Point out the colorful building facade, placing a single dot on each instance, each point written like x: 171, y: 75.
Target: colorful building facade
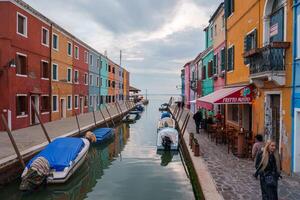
x: 24, y: 66
x: 263, y: 31
x: 187, y: 100
x: 103, y: 80
x: 296, y: 90
x: 41, y: 62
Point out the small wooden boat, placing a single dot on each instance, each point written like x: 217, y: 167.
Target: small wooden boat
x: 166, y: 122
x: 165, y: 114
x: 163, y: 107
x: 103, y: 134
x: 167, y: 139
x: 64, y: 156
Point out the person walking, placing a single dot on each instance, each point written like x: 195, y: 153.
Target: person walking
x: 258, y: 145
x: 198, y: 118
x: 268, y: 169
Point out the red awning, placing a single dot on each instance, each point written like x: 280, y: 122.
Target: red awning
x: 232, y: 95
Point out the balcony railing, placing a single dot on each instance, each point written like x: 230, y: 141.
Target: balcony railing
x: 270, y: 58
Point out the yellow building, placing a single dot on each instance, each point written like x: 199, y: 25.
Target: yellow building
x: 62, y: 100
x: 258, y: 37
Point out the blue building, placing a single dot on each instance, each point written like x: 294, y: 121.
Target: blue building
x: 103, y: 80
x: 94, y: 80
x: 296, y: 89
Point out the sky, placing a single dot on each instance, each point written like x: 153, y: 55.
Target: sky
x: 157, y: 37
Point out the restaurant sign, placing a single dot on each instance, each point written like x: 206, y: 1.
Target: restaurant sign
x: 242, y: 96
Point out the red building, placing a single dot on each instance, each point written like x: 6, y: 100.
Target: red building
x: 80, y: 76
x: 24, y: 64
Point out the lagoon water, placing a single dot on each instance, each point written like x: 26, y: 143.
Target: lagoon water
x: 126, y: 167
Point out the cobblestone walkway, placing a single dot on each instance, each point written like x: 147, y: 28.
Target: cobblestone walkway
x: 233, y: 176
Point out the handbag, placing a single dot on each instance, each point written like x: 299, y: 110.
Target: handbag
x: 270, y: 180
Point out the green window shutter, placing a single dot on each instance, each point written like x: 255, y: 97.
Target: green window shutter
x: 233, y: 58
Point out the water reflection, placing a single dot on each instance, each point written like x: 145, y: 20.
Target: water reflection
x: 166, y: 156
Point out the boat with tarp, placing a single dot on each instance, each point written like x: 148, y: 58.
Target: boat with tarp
x: 167, y: 139
x: 103, y: 134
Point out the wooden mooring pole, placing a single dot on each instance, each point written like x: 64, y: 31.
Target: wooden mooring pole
x: 184, y: 125
x: 94, y: 118
x: 110, y: 115
x: 41, y: 123
x: 12, y: 140
x: 107, y: 125
x: 77, y: 121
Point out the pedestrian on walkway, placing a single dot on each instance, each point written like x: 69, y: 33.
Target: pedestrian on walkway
x: 258, y: 145
x: 268, y: 168
x: 198, y: 118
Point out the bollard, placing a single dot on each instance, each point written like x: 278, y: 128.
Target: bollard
x: 196, y: 148
x: 193, y: 145
x: 191, y: 139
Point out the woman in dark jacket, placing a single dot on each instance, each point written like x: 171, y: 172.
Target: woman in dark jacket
x: 268, y: 168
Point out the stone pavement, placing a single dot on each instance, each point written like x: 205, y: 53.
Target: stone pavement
x: 32, y: 138
x: 233, y: 176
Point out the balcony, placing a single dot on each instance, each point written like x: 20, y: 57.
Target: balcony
x: 268, y: 63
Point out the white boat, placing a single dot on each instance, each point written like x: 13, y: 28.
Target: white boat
x: 65, y: 156
x: 166, y: 122
x: 167, y: 139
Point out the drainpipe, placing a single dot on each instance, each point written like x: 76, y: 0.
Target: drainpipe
x: 295, y: 5
x: 50, y: 74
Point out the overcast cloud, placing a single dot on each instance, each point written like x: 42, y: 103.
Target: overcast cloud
x: 157, y: 37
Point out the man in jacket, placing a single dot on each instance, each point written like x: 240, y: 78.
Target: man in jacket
x: 198, y: 118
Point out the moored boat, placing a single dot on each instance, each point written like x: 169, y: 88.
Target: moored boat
x: 167, y: 139
x: 166, y: 122
x: 56, y: 163
x: 103, y: 134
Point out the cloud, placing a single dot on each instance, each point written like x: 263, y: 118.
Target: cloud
x: 156, y: 37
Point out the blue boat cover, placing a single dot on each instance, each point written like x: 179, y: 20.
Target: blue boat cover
x: 165, y: 114
x: 103, y: 133
x: 60, y: 152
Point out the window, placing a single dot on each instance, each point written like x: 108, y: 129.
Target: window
x: 109, y: 68
x: 230, y: 59
x: 250, y: 42
x: 69, y: 106
x: 55, y: 41
x: 97, y: 99
x: 55, y: 72
x: 91, y: 79
x: 223, y: 21
x: 86, y: 56
x: 113, y: 98
x: 76, y: 75
x: 85, y: 101
x: 215, y: 29
x: 113, y: 70
x: 54, y: 103
x: 233, y: 112
x: 21, y: 64
x: 21, y: 25
x: 91, y: 101
x: 223, y: 59
x: 108, y: 83
x: 229, y: 7
x: 98, y: 62
x: 211, y: 32
x: 44, y: 69
x: 113, y: 84
x: 86, y: 79
x: 76, y: 101
x: 21, y: 105
x: 203, y: 72
x: 210, y: 69
x: 91, y: 59
x: 69, y: 78
x: 101, y: 82
x: 76, y: 52
x: 45, y: 36
x: 45, y: 103
x: 215, y: 68
x: 69, y: 49
x: 101, y: 99
x: 97, y: 82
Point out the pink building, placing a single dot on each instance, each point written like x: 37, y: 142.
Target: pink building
x: 187, y: 83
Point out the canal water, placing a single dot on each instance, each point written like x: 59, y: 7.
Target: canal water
x: 127, y: 167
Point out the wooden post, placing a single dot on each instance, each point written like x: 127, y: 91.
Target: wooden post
x: 77, y: 121
x: 12, y: 141
x: 126, y: 105
x: 185, y: 124
x: 121, y: 112
x: 94, y: 118
x: 41, y: 123
x: 180, y: 114
x: 110, y: 116
x: 117, y: 108
x: 107, y: 125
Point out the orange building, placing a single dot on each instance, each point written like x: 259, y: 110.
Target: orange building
x: 259, y: 33
x: 61, y: 79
